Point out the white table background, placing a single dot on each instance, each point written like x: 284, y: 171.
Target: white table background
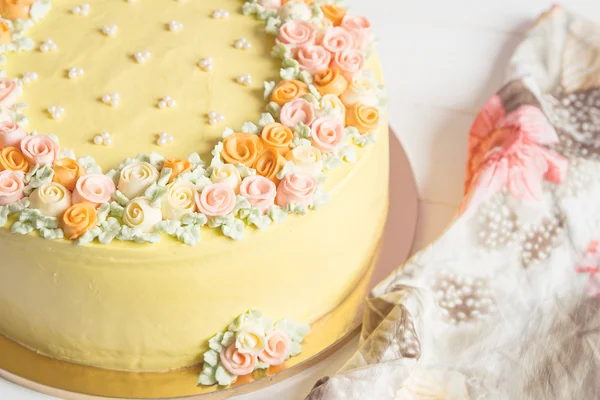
x: 442, y: 60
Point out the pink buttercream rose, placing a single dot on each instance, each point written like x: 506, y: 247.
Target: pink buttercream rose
x: 313, y: 58
x: 327, y: 133
x: 349, y: 63
x: 277, y: 349
x: 94, y: 189
x: 39, y: 149
x: 238, y: 363
x: 216, y: 200
x: 259, y: 191
x: 11, y: 187
x: 11, y: 134
x: 337, y: 39
x: 296, y: 188
x: 8, y: 92
x: 360, y: 28
x: 297, y: 111
x: 271, y: 4
x: 297, y: 33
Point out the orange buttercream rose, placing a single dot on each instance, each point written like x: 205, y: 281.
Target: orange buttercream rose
x: 178, y: 166
x: 268, y: 164
x: 330, y: 81
x: 5, y: 33
x: 79, y: 219
x: 12, y: 159
x: 67, y: 172
x: 333, y: 13
x: 288, y: 90
x: 278, y: 137
x: 15, y: 9
x: 241, y: 148
x: 364, y: 118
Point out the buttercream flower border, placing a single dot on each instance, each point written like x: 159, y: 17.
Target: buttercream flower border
x: 48, y: 188
x: 251, y: 342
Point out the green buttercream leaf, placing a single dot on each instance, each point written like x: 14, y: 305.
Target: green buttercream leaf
x: 364, y: 140
x: 207, y: 377
x: 302, y: 131
x: 116, y: 210
x: 251, y: 8
x: 195, y: 219
x: 133, y: 234
x: 295, y: 349
x: 52, y: 234
x: 155, y: 193
x: 266, y: 13
x: 102, y: 213
x: 227, y: 132
x: 109, y: 230
x: 241, y: 203
x: 320, y: 198
x: 189, y: 235
x: 192, y: 176
x: 228, y: 339
x: 277, y: 214
x: 262, y: 222
x: 273, y: 25
x: 202, y: 182
x: 89, y: 165
x: 332, y: 161
x: 274, y: 109
x: 4, y: 212
x: 168, y: 226
x: 347, y: 153
x: 290, y: 62
x: 216, y: 222
x: 234, y: 230
x: 300, y: 142
x: 307, y: 78
x: 249, y: 127
x: 262, y: 365
x: 211, y: 357
x: 281, y: 51
x: 295, y: 331
x: 216, y: 153
x: 224, y: 377
x: 215, y: 344
x: 296, y: 209
x: 66, y: 153
x: 195, y: 160
x: 288, y: 168
x: 288, y: 73
x: 114, y: 175
x: 244, y: 170
x: 40, y: 176
x: 269, y: 86
x: 165, y: 175
x: 22, y: 228
x: 120, y: 198
x: 265, y: 119
x: 88, y: 237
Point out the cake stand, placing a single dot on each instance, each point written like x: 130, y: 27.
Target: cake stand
x: 71, y: 381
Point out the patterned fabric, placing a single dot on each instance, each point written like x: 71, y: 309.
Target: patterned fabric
x: 505, y: 304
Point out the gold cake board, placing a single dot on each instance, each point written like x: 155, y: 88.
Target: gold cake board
x: 66, y: 380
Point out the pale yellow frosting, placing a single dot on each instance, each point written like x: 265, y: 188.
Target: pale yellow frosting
x: 153, y: 307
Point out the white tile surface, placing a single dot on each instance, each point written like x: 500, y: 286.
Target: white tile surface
x: 442, y: 59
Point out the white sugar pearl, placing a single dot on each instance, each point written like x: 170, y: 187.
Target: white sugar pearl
x: 98, y: 140
x: 162, y: 141
x: 221, y: 117
x: 163, y: 135
x: 171, y: 103
x: 175, y: 26
x: 106, y: 98
x: 212, y: 115
x: 110, y: 30
x: 44, y: 48
x: 162, y: 104
x: 115, y: 95
x: 114, y: 102
x: 105, y: 135
x: 108, y: 141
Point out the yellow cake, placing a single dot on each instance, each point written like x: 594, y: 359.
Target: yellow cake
x: 123, y: 277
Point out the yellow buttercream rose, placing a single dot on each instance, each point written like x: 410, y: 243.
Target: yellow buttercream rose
x: 250, y: 339
x: 365, y: 118
x: 12, y: 159
x: 66, y: 172
x: 268, y: 164
x: 333, y: 13
x: 330, y: 81
x: 241, y: 148
x: 5, y: 33
x: 79, y: 219
x: 278, y: 137
x: 288, y: 90
x: 15, y: 9
x: 178, y: 166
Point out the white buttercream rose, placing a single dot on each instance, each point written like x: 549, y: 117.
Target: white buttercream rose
x: 140, y: 214
x: 332, y: 106
x: 307, y: 158
x: 52, y: 199
x: 136, y: 178
x: 295, y: 10
x: 363, y: 89
x: 227, y: 174
x: 179, y: 200
x: 250, y: 339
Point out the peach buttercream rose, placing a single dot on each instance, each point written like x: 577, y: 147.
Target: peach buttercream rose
x: 67, y: 171
x: 288, y: 90
x: 179, y: 200
x: 360, y: 28
x: 78, y: 219
x: 278, y: 137
x: 365, y: 118
x: 363, y: 89
x: 238, y: 363
x: 330, y: 81
x: 269, y: 163
x: 333, y: 13
x: 93, y: 189
x: 216, y: 200
x: 52, y: 199
x: 349, y: 63
x: 297, y: 33
x: 11, y: 134
x: 259, y: 191
x: 136, y: 178
x: 270, y: 4
x: 313, y: 58
x: 241, y: 148
x: 15, y: 9
x: 297, y: 111
x: 41, y: 150
x: 8, y: 92
x: 178, y: 166
x: 140, y: 214
x: 227, y: 174
x: 5, y: 33
x: 307, y: 158
x: 336, y: 40
x: 12, y: 159
x: 296, y: 188
x: 277, y: 349
x: 11, y: 187
x: 327, y: 133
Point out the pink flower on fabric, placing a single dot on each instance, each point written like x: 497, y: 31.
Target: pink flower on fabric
x: 512, y: 154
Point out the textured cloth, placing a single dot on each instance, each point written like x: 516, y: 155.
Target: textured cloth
x: 504, y: 305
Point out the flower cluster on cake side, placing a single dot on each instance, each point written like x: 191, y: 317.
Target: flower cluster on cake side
x: 251, y: 342
x: 326, y: 103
